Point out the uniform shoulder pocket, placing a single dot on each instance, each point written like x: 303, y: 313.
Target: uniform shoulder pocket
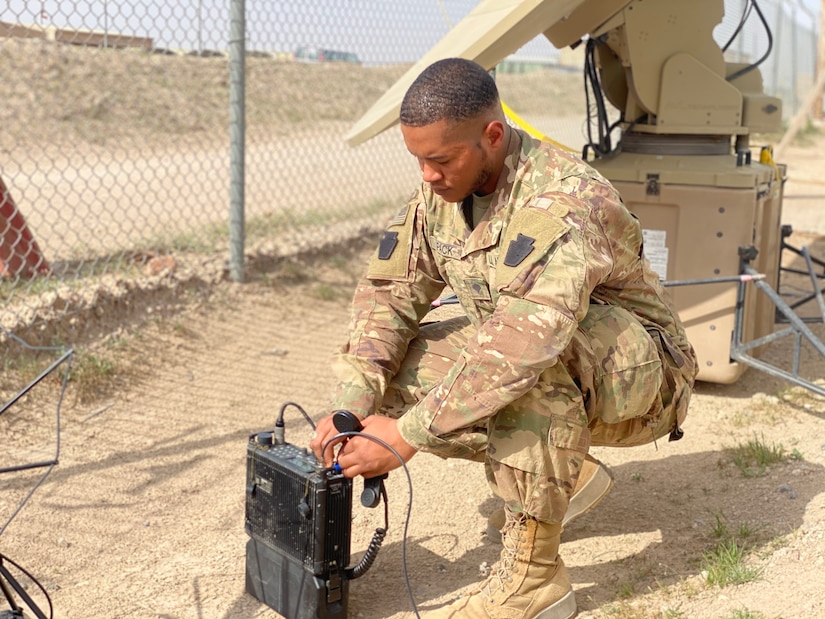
x: 392, y: 259
x: 530, y: 236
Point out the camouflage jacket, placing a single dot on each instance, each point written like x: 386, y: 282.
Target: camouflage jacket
x: 555, y: 239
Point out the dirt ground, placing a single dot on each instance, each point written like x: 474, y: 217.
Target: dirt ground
x: 144, y: 514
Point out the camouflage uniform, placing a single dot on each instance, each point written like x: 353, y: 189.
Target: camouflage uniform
x: 569, y: 339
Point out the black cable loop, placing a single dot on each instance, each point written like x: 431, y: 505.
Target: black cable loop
x: 767, y: 53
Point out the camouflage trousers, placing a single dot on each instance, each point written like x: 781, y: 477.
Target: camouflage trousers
x: 615, y: 385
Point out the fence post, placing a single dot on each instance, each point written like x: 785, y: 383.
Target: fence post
x: 237, y: 102
x: 794, y: 65
x: 777, y: 45
x: 820, y: 59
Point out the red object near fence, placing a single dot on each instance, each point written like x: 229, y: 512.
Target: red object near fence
x: 19, y: 254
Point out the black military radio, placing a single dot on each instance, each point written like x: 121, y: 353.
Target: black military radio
x: 298, y: 517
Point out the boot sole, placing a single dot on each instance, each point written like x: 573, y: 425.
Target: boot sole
x: 590, y: 495
x: 565, y: 608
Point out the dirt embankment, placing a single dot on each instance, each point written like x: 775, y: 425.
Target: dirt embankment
x: 63, y: 94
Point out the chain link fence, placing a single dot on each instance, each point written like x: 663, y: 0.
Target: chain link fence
x: 120, y: 172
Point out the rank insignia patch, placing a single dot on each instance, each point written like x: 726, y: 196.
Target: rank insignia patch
x: 518, y: 250
x: 387, y: 245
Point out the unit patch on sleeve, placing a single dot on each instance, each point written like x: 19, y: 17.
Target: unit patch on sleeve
x: 531, y: 235
x: 519, y: 249
x: 388, y: 243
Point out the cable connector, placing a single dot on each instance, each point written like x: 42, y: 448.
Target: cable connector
x: 279, y: 433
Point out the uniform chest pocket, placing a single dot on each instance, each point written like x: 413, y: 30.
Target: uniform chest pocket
x: 472, y: 290
x: 477, y: 289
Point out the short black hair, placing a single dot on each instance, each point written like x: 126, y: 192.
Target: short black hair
x: 452, y: 89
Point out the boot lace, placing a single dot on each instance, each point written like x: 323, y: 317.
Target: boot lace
x: 511, y: 537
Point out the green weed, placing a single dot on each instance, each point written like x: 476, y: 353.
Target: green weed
x: 726, y: 563
x: 623, y: 610
x: 744, y: 614
x: 626, y: 590
x: 91, y: 376
x: 754, y: 457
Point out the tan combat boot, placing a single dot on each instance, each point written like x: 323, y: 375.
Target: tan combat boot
x: 530, y: 580
x: 595, y: 481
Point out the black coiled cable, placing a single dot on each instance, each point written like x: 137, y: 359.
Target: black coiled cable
x: 369, y: 556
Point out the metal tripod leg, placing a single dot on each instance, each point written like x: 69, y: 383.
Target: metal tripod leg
x: 5, y: 574
x: 784, y: 314
x: 798, y: 329
x: 811, y: 264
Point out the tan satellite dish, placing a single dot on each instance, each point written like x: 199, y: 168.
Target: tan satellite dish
x: 488, y: 34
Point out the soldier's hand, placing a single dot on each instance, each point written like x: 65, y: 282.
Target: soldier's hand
x: 362, y: 456
x: 324, y: 431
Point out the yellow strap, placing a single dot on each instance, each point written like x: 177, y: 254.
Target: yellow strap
x: 766, y: 157
x: 532, y: 130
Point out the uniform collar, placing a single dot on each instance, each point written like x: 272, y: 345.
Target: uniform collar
x: 488, y: 231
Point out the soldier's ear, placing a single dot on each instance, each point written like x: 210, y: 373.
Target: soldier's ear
x: 494, y: 134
